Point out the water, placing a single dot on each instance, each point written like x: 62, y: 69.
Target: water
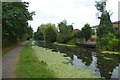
x: 104, y: 65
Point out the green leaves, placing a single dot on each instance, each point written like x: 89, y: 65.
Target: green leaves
x: 105, y: 25
x: 46, y: 32
x: 108, y: 42
x: 86, y: 32
x: 50, y: 34
x: 65, y: 32
x: 14, y: 20
x: 106, y: 32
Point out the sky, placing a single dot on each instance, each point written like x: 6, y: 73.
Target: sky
x: 78, y: 12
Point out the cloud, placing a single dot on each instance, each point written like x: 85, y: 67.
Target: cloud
x: 78, y: 12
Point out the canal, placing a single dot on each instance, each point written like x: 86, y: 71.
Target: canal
x: 104, y: 65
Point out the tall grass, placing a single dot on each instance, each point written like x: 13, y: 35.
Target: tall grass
x: 29, y: 67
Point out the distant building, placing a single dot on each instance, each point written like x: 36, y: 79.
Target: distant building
x: 76, y: 30
x: 116, y: 24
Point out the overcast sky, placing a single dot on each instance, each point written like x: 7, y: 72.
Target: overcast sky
x: 78, y: 12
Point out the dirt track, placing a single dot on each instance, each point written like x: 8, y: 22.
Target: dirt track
x: 9, y: 62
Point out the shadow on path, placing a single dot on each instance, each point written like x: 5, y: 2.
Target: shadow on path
x: 10, y: 60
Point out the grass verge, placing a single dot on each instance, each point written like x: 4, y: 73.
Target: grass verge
x: 29, y: 67
x: 110, y: 52
x: 64, y: 44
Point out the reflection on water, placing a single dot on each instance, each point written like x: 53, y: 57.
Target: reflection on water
x: 78, y: 62
x: 104, y: 65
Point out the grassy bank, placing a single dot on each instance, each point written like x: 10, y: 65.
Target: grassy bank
x: 63, y: 44
x: 29, y: 67
x: 109, y: 52
x: 60, y: 65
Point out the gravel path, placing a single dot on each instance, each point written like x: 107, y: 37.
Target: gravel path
x: 9, y: 62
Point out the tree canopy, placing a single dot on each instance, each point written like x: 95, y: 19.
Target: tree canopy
x: 50, y: 34
x: 86, y: 32
x: 14, y: 21
x: 106, y: 32
x: 105, y: 25
x: 46, y: 32
x: 65, y: 31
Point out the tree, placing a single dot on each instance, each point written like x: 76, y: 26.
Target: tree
x: 93, y: 32
x: 108, y: 42
x: 86, y: 32
x: 105, y: 25
x: 106, y: 32
x: 65, y: 32
x: 50, y: 34
x: 15, y: 18
x: 29, y: 32
x: 42, y: 28
x: 39, y: 34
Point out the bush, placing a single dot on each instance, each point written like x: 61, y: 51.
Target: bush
x: 50, y: 34
x: 65, y: 32
x: 72, y: 42
x: 108, y: 42
x: 118, y: 49
x: 86, y: 32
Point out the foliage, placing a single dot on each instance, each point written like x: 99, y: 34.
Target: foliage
x: 72, y: 41
x: 14, y: 21
x: 86, y: 32
x: 43, y: 33
x: 108, y: 42
x: 93, y: 32
x: 105, y: 25
x: 118, y: 33
x: 28, y: 34
x: 76, y: 34
x: 43, y: 27
x: 65, y: 32
x: 38, y: 35
x: 106, y: 32
x: 50, y: 34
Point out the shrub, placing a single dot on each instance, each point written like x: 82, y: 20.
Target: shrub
x: 108, y: 42
x: 50, y: 34
x: 72, y: 42
x: 86, y: 32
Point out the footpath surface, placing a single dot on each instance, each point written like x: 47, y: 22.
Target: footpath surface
x: 10, y: 61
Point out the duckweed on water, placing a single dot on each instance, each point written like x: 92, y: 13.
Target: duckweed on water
x: 57, y: 63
